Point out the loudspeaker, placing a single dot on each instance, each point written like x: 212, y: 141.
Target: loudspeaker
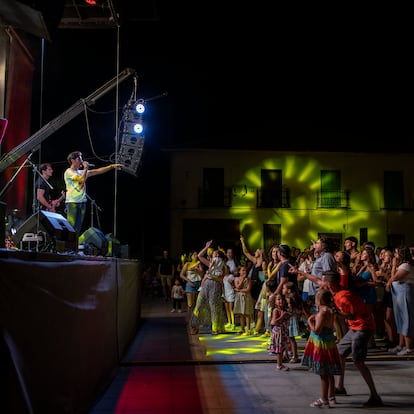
x: 60, y: 235
x: 94, y: 242
x: 130, y: 152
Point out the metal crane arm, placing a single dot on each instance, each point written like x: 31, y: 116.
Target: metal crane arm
x: 33, y: 141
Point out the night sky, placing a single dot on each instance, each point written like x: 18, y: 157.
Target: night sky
x: 172, y: 79
x: 247, y: 79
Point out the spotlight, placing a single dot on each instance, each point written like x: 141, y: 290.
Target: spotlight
x: 91, y: 2
x: 140, y: 107
x: 138, y: 128
x: 133, y: 127
x: 132, y: 117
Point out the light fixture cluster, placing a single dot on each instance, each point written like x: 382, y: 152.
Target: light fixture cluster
x: 133, y: 118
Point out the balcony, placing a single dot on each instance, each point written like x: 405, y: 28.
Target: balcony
x: 243, y: 196
x: 333, y: 199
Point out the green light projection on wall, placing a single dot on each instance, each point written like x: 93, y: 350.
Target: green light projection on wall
x: 302, y: 221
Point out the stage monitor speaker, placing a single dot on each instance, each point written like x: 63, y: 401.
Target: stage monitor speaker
x: 94, y: 242
x: 59, y: 234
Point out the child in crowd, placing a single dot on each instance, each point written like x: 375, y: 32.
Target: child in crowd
x: 321, y: 354
x: 279, y: 337
x: 229, y: 296
x: 243, y: 301
x: 177, y: 296
x: 297, y: 312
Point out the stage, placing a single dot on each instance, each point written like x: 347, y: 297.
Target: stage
x: 65, y: 322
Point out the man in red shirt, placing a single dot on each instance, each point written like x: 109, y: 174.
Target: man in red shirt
x: 361, y: 327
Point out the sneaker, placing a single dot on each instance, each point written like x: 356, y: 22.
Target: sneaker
x: 172, y: 310
x: 374, y: 402
x: 340, y: 391
x: 396, y: 349
x: 405, y: 351
x: 179, y: 310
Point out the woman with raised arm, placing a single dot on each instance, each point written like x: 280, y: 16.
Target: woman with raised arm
x: 209, y: 300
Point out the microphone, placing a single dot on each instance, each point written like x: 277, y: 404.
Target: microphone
x: 91, y: 165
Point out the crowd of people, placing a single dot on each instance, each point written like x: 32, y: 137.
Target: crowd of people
x: 340, y: 300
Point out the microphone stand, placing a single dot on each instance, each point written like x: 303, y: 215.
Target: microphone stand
x: 94, y: 205
x: 15, y: 175
x: 36, y: 171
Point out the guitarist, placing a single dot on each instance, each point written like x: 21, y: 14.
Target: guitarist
x: 42, y: 190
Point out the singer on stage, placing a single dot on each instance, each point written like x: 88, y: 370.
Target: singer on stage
x: 75, y: 181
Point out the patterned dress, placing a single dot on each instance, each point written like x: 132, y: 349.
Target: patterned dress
x: 321, y: 353
x: 209, y: 308
x: 279, y: 337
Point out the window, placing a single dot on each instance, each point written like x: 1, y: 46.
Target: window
x: 271, y: 235
x: 271, y: 189
x: 330, y: 189
x: 363, y: 235
x: 393, y: 189
x: 213, y: 187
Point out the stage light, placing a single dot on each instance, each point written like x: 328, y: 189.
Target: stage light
x: 140, y: 107
x: 138, y: 128
x: 133, y: 119
x: 91, y: 2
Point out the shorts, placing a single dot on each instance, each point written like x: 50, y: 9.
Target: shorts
x: 193, y: 288
x: 355, y: 343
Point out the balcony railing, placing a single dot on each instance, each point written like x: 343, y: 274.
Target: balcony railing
x: 255, y: 197
x: 273, y: 199
x: 333, y: 199
x: 243, y: 195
